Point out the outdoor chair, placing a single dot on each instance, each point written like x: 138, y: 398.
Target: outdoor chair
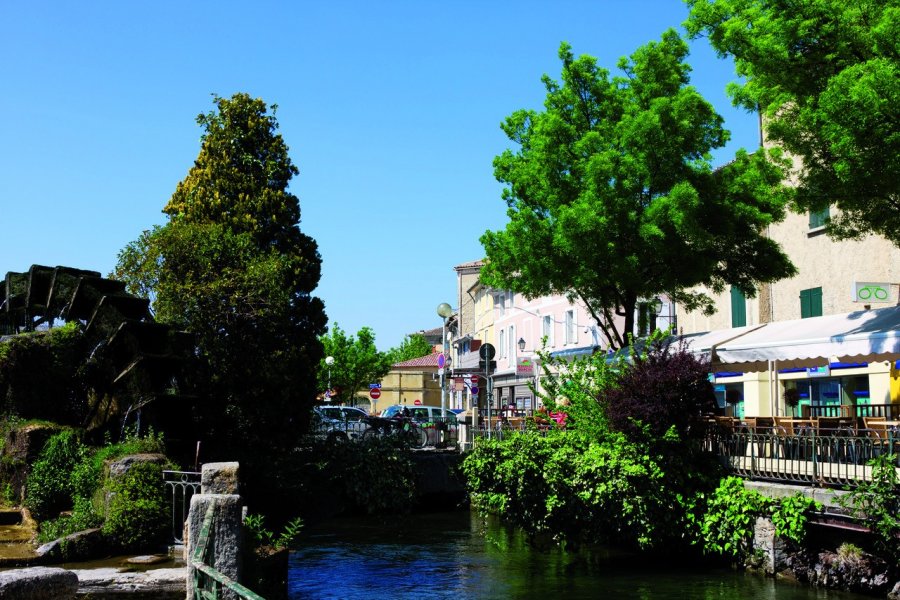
x: 877, y: 433
x: 835, y: 438
x: 788, y: 442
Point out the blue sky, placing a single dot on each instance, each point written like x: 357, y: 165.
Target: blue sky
x: 391, y: 110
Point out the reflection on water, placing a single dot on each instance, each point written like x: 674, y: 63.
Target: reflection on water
x: 460, y: 555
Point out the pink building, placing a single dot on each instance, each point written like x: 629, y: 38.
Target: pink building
x: 521, y: 328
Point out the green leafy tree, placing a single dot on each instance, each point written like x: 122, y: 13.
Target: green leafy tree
x: 412, y: 346
x: 357, y: 363
x: 612, y: 197
x: 232, y: 266
x: 826, y: 76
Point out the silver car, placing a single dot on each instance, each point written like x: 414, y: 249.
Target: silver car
x: 338, y: 423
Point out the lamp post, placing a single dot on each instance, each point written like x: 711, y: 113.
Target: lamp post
x: 444, y: 311
x: 329, y: 360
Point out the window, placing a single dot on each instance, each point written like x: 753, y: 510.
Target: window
x: 547, y: 329
x: 511, y: 341
x: 811, y: 303
x: 501, y: 343
x: 818, y: 218
x: 501, y: 304
x: 570, y: 327
x: 738, y: 307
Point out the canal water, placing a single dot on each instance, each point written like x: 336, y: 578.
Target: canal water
x: 461, y: 555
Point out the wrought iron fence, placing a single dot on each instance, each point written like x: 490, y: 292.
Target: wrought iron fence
x: 208, y: 583
x: 837, y: 458
x: 180, y: 486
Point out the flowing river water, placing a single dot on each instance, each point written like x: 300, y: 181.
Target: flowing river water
x: 461, y: 555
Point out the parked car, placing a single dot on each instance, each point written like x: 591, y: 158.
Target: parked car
x: 338, y: 423
x: 421, y: 414
x: 441, y: 428
x: 344, y: 413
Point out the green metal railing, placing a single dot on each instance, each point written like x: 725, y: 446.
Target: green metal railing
x: 208, y: 583
x: 838, y: 459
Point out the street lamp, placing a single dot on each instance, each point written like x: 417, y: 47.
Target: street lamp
x: 329, y: 360
x: 444, y: 311
x: 521, y: 344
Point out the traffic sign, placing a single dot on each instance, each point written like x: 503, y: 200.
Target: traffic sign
x: 375, y: 393
x: 486, y: 352
x: 474, y: 390
x: 474, y: 379
x: 417, y: 402
x: 441, y: 360
x: 374, y: 385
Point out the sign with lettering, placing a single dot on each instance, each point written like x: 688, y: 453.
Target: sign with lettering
x: 524, y: 367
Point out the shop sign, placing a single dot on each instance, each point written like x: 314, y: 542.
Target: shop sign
x: 818, y: 371
x: 871, y: 291
x: 524, y: 367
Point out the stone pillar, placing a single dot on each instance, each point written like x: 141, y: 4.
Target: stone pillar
x: 220, y: 478
x: 219, y: 488
x: 38, y: 583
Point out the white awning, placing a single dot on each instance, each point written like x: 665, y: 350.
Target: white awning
x: 863, y: 336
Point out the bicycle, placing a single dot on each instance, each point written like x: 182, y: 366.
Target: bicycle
x: 404, y: 429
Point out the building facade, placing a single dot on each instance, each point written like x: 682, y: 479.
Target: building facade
x: 834, y: 278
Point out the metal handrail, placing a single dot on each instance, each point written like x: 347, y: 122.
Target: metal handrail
x: 180, y: 487
x: 208, y: 583
x: 837, y: 458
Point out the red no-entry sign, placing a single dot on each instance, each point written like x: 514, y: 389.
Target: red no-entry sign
x: 474, y: 379
x: 375, y: 393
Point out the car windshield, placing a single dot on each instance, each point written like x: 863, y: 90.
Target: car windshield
x: 390, y: 411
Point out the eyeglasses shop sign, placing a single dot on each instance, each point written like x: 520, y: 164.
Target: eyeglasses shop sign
x: 871, y: 291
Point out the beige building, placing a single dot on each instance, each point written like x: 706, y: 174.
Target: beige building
x: 413, y: 382
x: 834, y: 278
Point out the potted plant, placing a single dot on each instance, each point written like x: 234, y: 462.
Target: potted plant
x: 792, y: 399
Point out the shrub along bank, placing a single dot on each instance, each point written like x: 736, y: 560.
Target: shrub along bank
x: 628, y: 469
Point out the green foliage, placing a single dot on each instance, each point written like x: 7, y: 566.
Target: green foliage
x: 357, y: 363
x: 42, y: 374
x: 255, y: 525
x: 573, y: 387
x: 826, y: 75
x: 232, y: 267
x: 613, y: 182
x: 790, y: 516
x: 85, y: 484
x: 50, y: 486
x: 728, y: 523
x: 412, y: 346
x: 576, y: 489
x: 137, y: 516
x: 877, y: 502
x: 375, y: 476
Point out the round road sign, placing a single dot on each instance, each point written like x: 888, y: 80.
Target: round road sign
x: 375, y: 393
x: 474, y: 379
x: 474, y: 390
x: 417, y: 402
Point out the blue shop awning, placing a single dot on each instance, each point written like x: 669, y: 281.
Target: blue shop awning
x: 573, y: 352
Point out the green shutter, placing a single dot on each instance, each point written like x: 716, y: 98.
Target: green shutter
x: 811, y: 303
x: 738, y: 308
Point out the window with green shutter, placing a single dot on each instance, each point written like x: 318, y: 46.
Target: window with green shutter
x: 811, y: 303
x: 738, y: 308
